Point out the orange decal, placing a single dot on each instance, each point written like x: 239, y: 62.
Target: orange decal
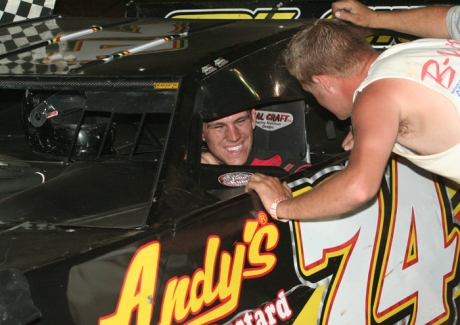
x: 262, y: 217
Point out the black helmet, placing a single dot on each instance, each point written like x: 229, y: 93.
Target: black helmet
x: 51, y: 120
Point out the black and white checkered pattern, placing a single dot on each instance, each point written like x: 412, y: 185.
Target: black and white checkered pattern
x: 14, y: 37
x: 16, y: 10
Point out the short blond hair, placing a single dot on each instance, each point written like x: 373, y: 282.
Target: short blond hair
x: 326, y: 47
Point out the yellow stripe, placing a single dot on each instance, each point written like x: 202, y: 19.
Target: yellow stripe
x: 309, y: 313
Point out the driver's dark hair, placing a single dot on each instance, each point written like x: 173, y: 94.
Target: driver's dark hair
x: 326, y: 47
x: 218, y: 118
x: 249, y: 114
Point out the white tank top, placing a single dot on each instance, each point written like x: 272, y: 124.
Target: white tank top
x: 435, y: 64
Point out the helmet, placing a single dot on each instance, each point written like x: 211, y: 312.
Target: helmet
x: 51, y: 120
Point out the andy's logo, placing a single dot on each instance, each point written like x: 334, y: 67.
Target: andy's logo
x: 217, y: 284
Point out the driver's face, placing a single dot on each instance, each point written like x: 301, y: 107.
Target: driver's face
x: 229, y: 139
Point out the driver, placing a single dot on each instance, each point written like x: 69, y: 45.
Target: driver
x: 230, y: 142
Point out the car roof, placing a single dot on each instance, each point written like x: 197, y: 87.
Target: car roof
x: 107, y: 46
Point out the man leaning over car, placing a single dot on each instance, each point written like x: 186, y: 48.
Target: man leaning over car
x: 392, y: 108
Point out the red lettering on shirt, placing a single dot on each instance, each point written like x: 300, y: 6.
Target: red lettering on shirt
x: 454, y: 51
x: 432, y: 69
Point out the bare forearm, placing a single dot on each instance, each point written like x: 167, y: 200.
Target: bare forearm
x: 339, y: 194
x: 422, y: 22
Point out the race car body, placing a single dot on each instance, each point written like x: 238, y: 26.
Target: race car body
x: 107, y: 215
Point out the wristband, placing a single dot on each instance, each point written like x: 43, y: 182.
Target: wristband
x: 274, y: 205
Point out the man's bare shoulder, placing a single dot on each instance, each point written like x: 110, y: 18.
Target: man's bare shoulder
x: 382, y: 97
x: 394, y: 89
x: 391, y: 96
x: 427, y: 121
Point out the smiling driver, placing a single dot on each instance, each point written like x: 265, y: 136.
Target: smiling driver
x: 230, y: 142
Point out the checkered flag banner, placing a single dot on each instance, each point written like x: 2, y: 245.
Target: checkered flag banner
x: 16, y: 10
x: 14, y: 37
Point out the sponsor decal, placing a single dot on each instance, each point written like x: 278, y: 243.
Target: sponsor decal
x: 288, y: 167
x: 236, y: 13
x: 217, y: 284
x: 208, y: 69
x: 166, y: 85
x: 220, y: 62
x: 268, y: 314
x: 237, y: 179
x: 52, y: 114
x: 271, y: 121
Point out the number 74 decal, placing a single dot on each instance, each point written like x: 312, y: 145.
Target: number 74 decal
x: 393, y: 261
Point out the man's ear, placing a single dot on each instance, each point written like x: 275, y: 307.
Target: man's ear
x: 253, y: 118
x: 322, y: 83
x: 202, y: 133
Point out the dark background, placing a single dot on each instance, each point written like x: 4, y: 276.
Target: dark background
x: 90, y: 8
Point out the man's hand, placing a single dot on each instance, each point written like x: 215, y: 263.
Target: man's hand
x: 354, y: 12
x: 268, y: 188
x: 348, y: 142
x: 209, y: 159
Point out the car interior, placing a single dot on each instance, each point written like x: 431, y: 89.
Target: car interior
x: 53, y: 138
x: 50, y: 142
x: 312, y: 134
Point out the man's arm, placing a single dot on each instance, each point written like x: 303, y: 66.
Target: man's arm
x: 422, y: 22
x: 375, y: 126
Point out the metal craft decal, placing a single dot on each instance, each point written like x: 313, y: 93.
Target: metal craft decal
x: 271, y: 121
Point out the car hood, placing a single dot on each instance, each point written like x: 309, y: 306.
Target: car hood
x: 125, y: 47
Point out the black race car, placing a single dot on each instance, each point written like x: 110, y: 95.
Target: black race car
x: 107, y: 215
